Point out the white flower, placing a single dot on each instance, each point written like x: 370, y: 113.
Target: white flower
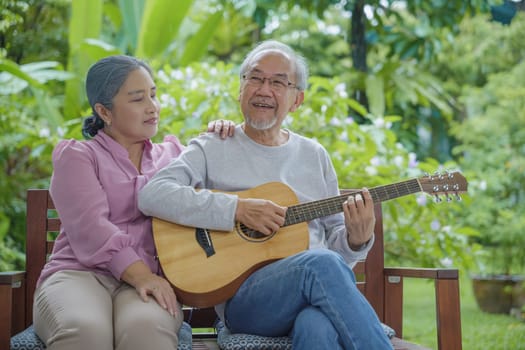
x: 340, y: 89
x: 177, y: 75
x: 379, y: 122
x: 44, y: 132
x: 61, y: 131
x: 161, y: 75
x: 421, y: 200
x: 375, y: 161
x: 370, y: 170
x: 398, y: 161
x: 183, y: 103
x: 412, y: 160
x: 167, y: 100
x: 189, y: 73
x: 335, y: 122
x: 344, y: 136
x: 446, y: 262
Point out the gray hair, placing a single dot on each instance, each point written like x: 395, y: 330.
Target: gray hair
x: 103, y: 81
x: 298, y: 61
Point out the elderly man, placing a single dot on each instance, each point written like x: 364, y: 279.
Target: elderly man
x: 310, y: 296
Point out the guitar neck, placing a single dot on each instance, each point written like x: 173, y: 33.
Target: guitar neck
x: 324, y: 207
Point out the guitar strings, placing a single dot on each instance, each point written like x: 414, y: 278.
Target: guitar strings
x: 324, y: 207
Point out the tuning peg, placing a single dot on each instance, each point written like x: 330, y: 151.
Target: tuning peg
x: 458, y: 197
x: 437, y: 199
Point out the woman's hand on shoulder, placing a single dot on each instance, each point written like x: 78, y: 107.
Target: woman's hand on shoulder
x: 225, y: 128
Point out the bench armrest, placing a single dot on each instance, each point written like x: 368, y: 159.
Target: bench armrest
x: 448, y: 316
x: 431, y: 273
x: 12, y: 278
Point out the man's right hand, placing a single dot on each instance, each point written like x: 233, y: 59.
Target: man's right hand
x: 261, y: 215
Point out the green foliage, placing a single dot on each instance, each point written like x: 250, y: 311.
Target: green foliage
x: 263, y: 7
x: 30, y: 121
x: 26, y: 21
x: 493, y: 154
x: 485, y: 47
x: 415, y: 28
x: 159, y: 19
x: 25, y: 147
x: 98, y: 29
x: 126, y: 20
x: 487, y: 84
x: 195, y: 95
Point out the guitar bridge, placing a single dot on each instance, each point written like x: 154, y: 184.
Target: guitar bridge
x: 203, y: 238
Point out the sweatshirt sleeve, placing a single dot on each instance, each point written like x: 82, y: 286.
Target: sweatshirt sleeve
x: 82, y: 204
x: 177, y: 193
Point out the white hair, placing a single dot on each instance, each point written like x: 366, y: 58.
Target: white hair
x: 298, y: 61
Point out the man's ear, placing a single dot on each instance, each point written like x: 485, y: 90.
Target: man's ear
x: 299, y: 98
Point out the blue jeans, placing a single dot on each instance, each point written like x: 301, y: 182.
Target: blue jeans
x: 312, y: 297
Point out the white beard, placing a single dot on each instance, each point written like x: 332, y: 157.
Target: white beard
x: 261, y: 124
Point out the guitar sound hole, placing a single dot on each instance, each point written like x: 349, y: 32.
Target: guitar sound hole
x: 252, y: 235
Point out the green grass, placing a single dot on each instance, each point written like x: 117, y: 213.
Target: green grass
x: 480, y: 330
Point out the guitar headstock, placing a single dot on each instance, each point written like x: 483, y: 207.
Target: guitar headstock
x: 447, y: 184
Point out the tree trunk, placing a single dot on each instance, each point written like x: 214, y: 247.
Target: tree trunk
x: 358, y: 44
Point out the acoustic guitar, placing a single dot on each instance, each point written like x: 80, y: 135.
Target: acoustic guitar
x: 206, y: 267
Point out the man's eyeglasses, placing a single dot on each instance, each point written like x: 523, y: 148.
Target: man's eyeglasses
x: 277, y: 83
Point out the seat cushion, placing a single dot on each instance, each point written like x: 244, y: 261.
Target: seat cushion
x: 240, y: 341
x: 28, y: 340
x: 184, y: 337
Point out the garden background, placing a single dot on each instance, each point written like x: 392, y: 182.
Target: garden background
x: 397, y: 89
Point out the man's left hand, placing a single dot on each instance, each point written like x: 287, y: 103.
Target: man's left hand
x: 359, y: 218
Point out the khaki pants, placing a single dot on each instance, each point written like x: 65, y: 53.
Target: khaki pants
x: 84, y: 310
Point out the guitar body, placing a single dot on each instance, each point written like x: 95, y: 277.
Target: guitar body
x: 203, y: 281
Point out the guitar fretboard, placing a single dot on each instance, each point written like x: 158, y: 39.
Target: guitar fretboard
x: 324, y: 207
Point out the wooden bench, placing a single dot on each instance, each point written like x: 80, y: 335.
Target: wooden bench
x: 383, y: 287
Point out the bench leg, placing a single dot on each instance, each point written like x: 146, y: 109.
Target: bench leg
x: 448, y: 314
x: 6, y: 302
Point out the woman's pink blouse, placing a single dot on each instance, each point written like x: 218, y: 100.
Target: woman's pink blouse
x: 94, y: 187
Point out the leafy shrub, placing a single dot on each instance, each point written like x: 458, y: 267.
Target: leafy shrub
x: 493, y: 155
x: 30, y: 124
x: 25, y: 147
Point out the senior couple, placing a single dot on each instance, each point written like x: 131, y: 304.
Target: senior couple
x: 103, y: 287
